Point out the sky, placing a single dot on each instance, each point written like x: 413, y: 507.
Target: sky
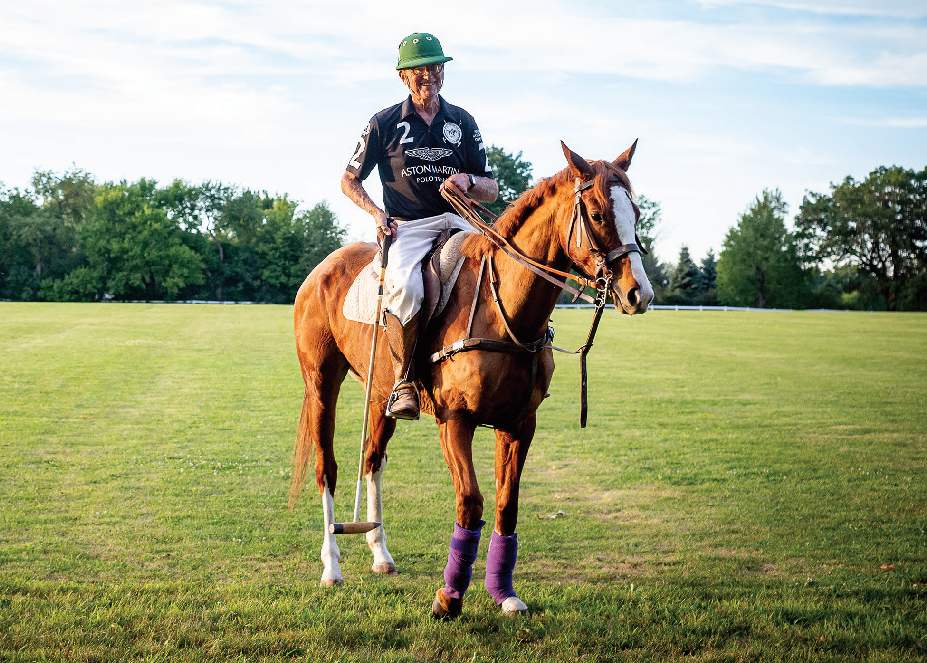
x: 726, y: 97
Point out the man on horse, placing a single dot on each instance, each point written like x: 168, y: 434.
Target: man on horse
x: 419, y: 146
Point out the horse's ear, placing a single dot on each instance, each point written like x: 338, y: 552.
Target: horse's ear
x: 624, y: 161
x: 578, y: 165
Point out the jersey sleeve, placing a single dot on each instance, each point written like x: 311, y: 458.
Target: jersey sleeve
x: 366, y: 154
x: 477, y: 159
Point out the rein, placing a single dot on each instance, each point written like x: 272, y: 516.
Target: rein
x: 465, y: 207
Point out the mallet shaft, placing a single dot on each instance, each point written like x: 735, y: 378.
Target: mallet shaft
x: 384, y: 257
x: 352, y: 528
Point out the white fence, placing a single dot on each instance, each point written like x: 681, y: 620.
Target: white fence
x: 679, y: 307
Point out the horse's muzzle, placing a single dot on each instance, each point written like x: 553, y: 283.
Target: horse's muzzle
x: 634, y: 297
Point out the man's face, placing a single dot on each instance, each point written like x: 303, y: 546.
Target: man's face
x: 424, y: 82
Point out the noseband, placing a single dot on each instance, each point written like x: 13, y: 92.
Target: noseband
x: 580, y: 222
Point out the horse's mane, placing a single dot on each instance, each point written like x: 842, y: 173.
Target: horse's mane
x: 517, y: 211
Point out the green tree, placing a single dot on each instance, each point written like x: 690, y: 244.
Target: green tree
x: 843, y: 287
x: 759, y: 264
x: 242, y: 218
x: 647, y: 224
x: 40, y: 231
x: 50, y: 228
x: 648, y: 232
x: 266, y: 246
x: 70, y: 196
x: 513, y: 176
x: 683, y: 285
x: 707, y: 279
x: 878, y: 225
x: 200, y: 210
x: 321, y: 234
x: 134, y: 249
x: 18, y: 279
x: 72, y: 240
x: 291, y: 245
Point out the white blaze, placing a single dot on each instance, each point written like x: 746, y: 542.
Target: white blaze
x: 625, y: 219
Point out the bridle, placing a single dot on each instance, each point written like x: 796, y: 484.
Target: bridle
x: 580, y: 223
x: 470, y: 210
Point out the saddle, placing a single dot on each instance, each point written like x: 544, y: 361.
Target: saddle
x: 440, y: 269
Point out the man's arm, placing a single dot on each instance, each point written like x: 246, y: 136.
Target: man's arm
x: 484, y: 189
x: 354, y: 189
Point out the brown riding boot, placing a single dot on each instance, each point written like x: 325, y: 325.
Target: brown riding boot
x: 403, y: 402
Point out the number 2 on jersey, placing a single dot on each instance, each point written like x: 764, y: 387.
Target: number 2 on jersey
x: 405, y: 134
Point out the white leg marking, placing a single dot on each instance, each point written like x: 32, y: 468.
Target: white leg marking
x: 376, y: 539
x: 513, y: 606
x: 331, y: 574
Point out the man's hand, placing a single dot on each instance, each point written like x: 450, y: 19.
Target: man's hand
x: 459, y: 181
x: 385, y: 225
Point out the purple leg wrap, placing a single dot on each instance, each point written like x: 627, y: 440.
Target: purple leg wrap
x: 464, y: 544
x: 503, y: 553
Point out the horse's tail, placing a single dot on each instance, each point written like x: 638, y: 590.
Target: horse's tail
x: 302, y: 453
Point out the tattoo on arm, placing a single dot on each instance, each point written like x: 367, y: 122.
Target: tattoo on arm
x: 354, y: 189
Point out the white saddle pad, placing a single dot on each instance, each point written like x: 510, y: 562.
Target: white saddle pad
x: 360, y: 304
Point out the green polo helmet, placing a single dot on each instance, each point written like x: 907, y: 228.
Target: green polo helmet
x: 420, y: 49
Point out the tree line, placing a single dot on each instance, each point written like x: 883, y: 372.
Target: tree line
x: 70, y: 238
x: 862, y: 245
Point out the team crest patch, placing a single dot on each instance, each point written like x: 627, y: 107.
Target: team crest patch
x: 452, y: 133
x: 429, y: 153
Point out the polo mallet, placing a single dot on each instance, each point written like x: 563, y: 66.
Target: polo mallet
x: 358, y: 527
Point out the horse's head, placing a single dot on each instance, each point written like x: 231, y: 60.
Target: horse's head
x: 601, y: 238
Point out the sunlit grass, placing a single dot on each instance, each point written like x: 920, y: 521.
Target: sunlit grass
x: 750, y: 487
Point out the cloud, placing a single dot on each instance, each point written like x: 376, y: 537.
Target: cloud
x: 891, y: 121
x: 807, y: 49
x: 274, y: 94
x: 907, y: 9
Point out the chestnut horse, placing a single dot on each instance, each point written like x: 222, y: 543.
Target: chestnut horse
x: 583, y: 218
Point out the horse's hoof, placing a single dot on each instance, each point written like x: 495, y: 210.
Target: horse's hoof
x: 386, y: 568
x: 331, y: 579
x: 444, y: 607
x: 513, y: 606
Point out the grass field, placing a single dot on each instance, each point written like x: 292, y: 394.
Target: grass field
x: 751, y: 487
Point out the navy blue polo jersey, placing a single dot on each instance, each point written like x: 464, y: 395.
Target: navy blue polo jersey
x: 414, y: 158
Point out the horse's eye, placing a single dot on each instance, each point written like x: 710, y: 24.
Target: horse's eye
x: 596, y: 217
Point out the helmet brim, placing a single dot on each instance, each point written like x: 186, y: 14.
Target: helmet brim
x: 420, y: 62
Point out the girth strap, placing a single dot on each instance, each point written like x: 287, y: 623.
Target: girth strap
x: 488, y: 344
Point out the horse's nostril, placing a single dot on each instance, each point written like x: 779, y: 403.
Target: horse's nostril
x: 634, y: 296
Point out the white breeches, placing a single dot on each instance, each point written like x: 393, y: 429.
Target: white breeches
x: 414, y: 239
